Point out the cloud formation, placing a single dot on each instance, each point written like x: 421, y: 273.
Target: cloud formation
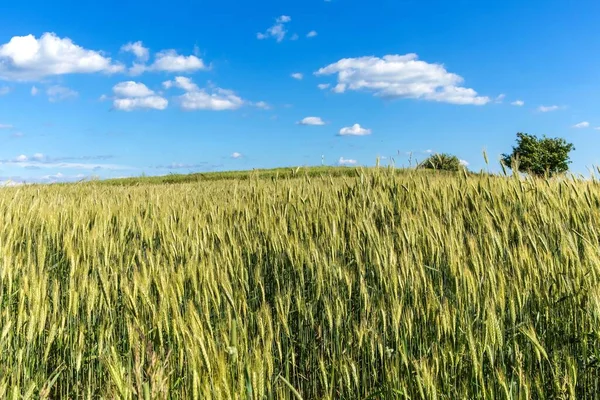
x: 27, y: 58
x: 194, y: 98
x: 401, y: 76
x: 548, y: 108
x: 346, y: 161
x: 583, y: 124
x: 58, y: 93
x: 141, y: 53
x: 297, y: 75
x: 311, y: 121
x: 518, y: 103
x: 354, y: 130
x: 276, y: 31
x: 132, y: 95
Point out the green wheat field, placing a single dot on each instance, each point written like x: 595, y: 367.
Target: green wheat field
x: 371, y: 283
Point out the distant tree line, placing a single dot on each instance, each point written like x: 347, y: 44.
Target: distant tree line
x: 532, y: 155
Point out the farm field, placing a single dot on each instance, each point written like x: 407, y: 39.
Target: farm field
x: 364, y: 283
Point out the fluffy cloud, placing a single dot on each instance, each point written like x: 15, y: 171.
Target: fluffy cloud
x: 401, y: 76
x: 311, y: 34
x: 297, y: 75
x: 132, y: 89
x: 201, y: 99
x: 346, y: 161
x: 218, y: 100
x: 354, y: 130
x: 518, y: 103
x: 170, y: 61
x: 548, y: 108
x: 583, y: 124
x: 236, y: 155
x: 181, y: 82
x: 138, y: 49
x: 151, y: 102
x: 134, y: 96
x: 311, y: 121
x: 28, y: 58
x: 57, y: 93
x: 323, y: 86
x: 276, y: 31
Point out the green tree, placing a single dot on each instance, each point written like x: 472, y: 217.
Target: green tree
x: 443, y: 162
x: 539, y: 156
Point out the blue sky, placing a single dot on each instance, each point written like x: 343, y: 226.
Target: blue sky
x: 128, y: 88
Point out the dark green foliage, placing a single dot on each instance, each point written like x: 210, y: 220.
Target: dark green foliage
x: 442, y: 162
x: 539, y: 156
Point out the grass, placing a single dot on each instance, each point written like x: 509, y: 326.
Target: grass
x: 367, y: 284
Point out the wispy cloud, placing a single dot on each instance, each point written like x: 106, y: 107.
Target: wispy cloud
x: 346, y: 161
x: 297, y: 75
x: 323, y: 86
x: 518, y: 103
x: 548, y: 108
x: 583, y: 124
x: 311, y: 34
x: 276, y: 31
x: 182, y: 166
x: 40, y: 161
x: 58, y: 93
x: 6, y: 126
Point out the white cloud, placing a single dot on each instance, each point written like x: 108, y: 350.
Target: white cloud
x: 500, y: 98
x: 518, y: 103
x: 57, y: 93
x: 136, y: 103
x: 583, y: 124
x: 464, y: 163
x: 38, y: 156
x: 297, y: 75
x: 311, y: 34
x: 170, y: 61
x: 34, y: 91
x: 132, y: 89
x: 218, y: 100
x: 346, y: 161
x: 339, y: 88
x: 548, y: 108
x: 323, y: 86
x: 263, y: 105
x: 28, y: 58
x: 4, y: 90
x: 134, y: 96
x: 236, y: 155
x: 200, y: 99
x: 141, y: 53
x: 401, y: 76
x: 39, y: 161
x: 311, y: 121
x: 428, y: 151
x: 6, y: 126
x: 181, y: 82
x: 354, y: 130
x: 21, y: 158
x: 276, y: 31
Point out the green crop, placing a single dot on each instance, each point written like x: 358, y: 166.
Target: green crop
x: 379, y: 285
